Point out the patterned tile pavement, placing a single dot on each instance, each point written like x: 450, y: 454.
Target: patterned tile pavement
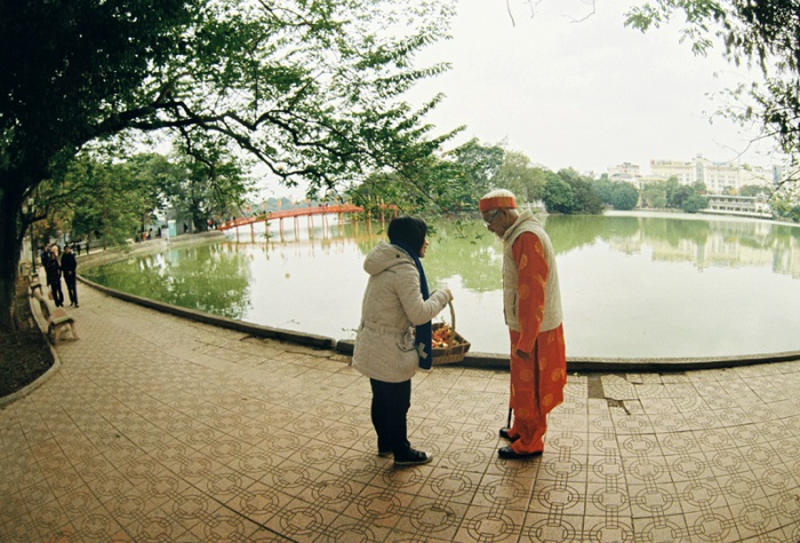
x: 160, y: 429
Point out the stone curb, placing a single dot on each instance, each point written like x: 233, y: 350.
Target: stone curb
x: 618, y: 365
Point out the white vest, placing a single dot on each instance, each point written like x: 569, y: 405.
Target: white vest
x: 552, y: 295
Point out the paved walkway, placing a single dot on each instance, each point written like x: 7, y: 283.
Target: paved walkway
x: 159, y: 429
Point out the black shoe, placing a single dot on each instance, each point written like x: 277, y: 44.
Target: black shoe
x: 504, y: 435
x: 412, y: 457
x: 384, y: 454
x: 509, y: 454
x: 76, y: 305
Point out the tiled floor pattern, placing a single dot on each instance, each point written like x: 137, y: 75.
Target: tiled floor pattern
x: 159, y: 429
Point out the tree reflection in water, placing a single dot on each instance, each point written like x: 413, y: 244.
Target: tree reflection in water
x: 211, y: 278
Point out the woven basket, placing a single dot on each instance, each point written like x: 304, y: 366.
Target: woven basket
x: 454, y: 353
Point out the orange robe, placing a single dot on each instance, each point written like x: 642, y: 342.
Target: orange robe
x: 537, y: 382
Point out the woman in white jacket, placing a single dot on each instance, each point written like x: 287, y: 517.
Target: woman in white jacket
x: 387, y: 349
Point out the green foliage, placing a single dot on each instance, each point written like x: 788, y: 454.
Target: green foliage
x: 517, y: 175
x: 671, y: 194
x: 209, y: 278
x: 107, y: 202
x: 211, y: 185
x: 313, y: 90
x: 558, y: 196
x: 620, y: 195
x: 451, y: 184
x: 695, y: 203
x: 654, y: 195
x: 570, y: 193
x: 625, y: 196
x: 676, y: 193
x: 476, y: 166
x: 752, y: 190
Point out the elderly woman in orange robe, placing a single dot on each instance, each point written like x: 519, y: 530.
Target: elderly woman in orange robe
x: 532, y: 308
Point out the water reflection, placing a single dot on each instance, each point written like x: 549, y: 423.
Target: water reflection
x: 635, y: 285
x: 703, y: 241
x: 212, y: 278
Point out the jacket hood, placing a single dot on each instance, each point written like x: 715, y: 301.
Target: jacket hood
x: 384, y: 256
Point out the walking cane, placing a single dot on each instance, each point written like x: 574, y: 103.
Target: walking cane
x: 508, y: 423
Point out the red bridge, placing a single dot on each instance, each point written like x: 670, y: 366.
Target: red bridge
x: 296, y: 212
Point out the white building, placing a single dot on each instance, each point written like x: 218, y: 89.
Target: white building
x: 746, y: 206
x: 718, y: 177
x: 624, y: 171
x: 630, y: 173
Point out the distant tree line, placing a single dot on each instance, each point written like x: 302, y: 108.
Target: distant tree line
x: 455, y: 181
x: 114, y: 201
x: 117, y: 200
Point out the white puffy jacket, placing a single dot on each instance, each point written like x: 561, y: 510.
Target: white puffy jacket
x: 392, y: 305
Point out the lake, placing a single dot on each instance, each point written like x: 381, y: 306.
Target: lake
x: 634, y: 285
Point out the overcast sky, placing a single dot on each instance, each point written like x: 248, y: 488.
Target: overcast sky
x: 586, y: 95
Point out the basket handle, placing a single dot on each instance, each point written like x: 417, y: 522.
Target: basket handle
x: 452, y: 315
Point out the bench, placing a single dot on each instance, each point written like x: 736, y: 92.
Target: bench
x: 33, y: 281
x: 57, y: 318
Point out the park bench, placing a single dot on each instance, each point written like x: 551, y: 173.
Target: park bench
x: 58, y: 320
x: 35, y: 283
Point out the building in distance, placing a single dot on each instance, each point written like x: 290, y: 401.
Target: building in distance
x: 718, y: 177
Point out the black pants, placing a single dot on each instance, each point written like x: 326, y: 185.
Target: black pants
x: 73, y: 294
x: 390, y: 404
x: 58, y: 295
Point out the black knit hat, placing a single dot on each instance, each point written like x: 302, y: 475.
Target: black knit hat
x: 409, y: 230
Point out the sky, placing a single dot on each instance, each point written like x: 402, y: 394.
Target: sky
x: 572, y: 88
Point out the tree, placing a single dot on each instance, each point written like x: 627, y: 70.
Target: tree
x: 753, y: 190
x: 213, y: 186
x: 479, y: 164
x: 676, y: 193
x: 517, y: 175
x: 695, y: 203
x: 312, y: 89
x: 654, y: 195
x: 620, y: 195
x: 558, y: 197
x: 157, y: 179
x: 625, y: 196
x: 105, y: 200
x: 585, y: 200
x: 763, y: 33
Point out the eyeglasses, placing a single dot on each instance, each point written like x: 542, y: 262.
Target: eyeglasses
x: 490, y: 219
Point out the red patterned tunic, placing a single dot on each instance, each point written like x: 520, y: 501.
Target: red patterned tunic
x: 538, y: 358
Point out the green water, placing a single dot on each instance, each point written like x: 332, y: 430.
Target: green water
x: 633, y: 285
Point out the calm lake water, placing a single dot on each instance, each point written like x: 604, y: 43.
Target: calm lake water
x: 634, y: 285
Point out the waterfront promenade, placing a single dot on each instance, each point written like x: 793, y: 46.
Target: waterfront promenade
x: 158, y: 429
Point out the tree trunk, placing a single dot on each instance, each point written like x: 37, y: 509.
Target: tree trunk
x: 10, y: 247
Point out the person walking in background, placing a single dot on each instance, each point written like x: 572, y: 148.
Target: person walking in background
x: 387, y: 350
x: 532, y: 308
x: 44, y: 256
x: 68, y: 266
x: 53, y: 269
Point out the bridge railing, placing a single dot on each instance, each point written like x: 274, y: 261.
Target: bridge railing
x: 297, y: 212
